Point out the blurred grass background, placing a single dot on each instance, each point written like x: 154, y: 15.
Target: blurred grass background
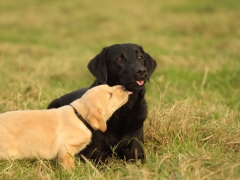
x: 194, y: 95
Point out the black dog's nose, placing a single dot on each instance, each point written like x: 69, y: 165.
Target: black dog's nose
x: 140, y: 70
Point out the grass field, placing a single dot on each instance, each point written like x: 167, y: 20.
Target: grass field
x: 193, y: 127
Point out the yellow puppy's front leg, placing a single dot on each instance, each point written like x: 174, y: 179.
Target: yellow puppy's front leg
x: 66, y: 158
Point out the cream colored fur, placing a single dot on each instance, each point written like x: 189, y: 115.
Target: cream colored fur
x: 58, y: 133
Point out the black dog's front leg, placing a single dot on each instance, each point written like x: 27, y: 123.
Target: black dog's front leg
x: 98, y: 149
x: 131, y: 147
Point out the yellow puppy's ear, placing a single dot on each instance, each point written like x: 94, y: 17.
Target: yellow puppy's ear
x: 96, y: 120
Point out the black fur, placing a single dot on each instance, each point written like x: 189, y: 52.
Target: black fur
x: 122, y: 64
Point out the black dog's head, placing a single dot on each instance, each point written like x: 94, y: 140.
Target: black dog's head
x: 124, y: 64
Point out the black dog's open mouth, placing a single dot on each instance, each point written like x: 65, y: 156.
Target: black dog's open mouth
x: 140, y: 82
x: 134, y: 85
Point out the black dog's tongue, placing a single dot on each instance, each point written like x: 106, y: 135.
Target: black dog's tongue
x: 140, y: 83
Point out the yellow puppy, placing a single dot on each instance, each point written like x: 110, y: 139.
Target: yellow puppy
x: 61, y: 132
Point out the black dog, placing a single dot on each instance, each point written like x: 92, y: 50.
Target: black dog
x: 130, y: 66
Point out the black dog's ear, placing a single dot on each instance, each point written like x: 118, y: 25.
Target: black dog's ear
x: 97, y: 66
x: 150, y: 64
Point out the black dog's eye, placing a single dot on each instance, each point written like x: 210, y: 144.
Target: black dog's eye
x: 119, y: 59
x: 140, y: 57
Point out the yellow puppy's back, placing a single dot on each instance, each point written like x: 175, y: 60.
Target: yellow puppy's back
x: 24, y: 133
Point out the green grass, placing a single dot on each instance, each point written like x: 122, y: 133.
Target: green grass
x: 192, y: 130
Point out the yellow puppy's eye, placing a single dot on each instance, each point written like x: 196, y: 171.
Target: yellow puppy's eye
x: 110, y: 95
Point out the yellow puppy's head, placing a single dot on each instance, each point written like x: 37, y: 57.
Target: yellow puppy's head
x: 100, y: 102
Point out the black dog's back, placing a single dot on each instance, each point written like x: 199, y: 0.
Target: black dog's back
x: 70, y: 97
x: 54, y: 104
x: 67, y: 98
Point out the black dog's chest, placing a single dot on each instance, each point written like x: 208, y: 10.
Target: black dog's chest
x: 126, y: 120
